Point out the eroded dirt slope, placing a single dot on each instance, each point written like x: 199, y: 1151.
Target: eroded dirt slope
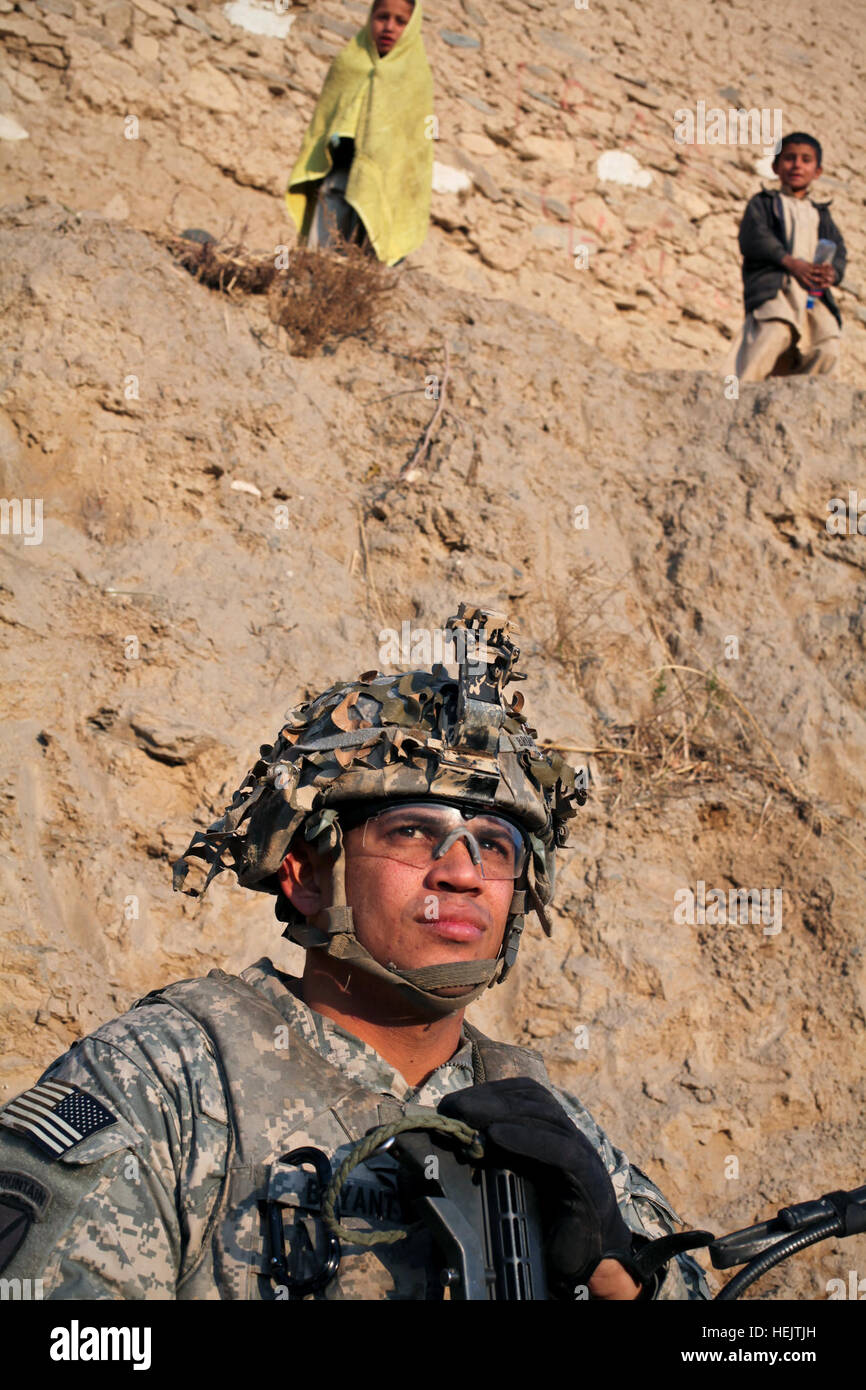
x: 167, y: 620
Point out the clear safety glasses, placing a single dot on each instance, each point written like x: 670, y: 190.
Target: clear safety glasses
x: 420, y: 833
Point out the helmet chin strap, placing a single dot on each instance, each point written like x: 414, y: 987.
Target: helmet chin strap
x: 332, y: 930
x: 420, y: 988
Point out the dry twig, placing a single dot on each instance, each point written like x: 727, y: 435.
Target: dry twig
x: 368, y: 570
x: 421, y: 450
x: 224, y: 266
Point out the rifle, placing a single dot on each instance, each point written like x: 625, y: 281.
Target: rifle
x: 487, y: 1227
x: 484, y: 1221
x: 486, y: 1224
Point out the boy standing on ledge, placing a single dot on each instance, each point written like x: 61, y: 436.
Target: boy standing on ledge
x: 792, y: 322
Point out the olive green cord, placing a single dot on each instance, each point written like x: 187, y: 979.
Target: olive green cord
x: 465, y: 1134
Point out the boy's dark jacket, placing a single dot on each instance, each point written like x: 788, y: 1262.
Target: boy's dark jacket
x: 763, y: 244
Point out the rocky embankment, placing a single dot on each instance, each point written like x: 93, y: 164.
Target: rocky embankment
x: 225, y: 526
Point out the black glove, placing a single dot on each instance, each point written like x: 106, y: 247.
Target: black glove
x: 525, y: 1129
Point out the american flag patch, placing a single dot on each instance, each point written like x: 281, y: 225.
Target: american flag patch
x: 56, y: 1116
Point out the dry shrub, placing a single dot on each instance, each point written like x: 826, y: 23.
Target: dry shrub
x: 701, y: 732
x: 695, y: 733
x: 690, y: 729
x: 329, y: 295
x: 224, y: 267
x: 321, y: 296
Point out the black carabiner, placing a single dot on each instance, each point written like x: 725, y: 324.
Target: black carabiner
x: 278, y: 1268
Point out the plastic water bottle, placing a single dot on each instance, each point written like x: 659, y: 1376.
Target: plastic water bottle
x: 824, y: 253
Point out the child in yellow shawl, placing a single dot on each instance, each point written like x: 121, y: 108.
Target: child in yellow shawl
x: 365, y: 170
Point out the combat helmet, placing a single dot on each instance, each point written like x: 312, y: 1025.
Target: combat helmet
x: 450, y: 734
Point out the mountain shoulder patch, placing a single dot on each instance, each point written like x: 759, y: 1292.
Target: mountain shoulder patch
x: 26, y: 1191
x: 22, y: 1199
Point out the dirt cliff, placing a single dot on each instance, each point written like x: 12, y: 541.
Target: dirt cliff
x: 692, y: 629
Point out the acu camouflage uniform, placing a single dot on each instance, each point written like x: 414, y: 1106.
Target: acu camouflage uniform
x: 165, y: 1201
x: 144, y: 1160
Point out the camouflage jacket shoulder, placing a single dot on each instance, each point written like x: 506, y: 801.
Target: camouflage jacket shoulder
x: 160, y: 1160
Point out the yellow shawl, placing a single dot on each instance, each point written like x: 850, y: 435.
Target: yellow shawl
x: 386, y: 106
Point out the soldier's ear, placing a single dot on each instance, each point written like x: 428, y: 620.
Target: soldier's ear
x: 301, y: 877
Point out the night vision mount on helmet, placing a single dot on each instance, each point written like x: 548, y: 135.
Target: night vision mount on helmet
x: 449, y: 733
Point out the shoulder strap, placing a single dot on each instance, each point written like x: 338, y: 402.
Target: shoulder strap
x: 270, y: 1075
x: 496, y: 1061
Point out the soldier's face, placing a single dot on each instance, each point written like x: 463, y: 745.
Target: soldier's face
x: 414, y: 917
x: 402, y: 914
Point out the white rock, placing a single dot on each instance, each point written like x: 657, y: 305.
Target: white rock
x: 448, y: 180
x: 260, y: 17
x: 238, y: 486
x: 616, y: 166
x: 11, y: 130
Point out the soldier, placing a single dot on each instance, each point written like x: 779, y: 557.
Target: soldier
x: 404, y: 825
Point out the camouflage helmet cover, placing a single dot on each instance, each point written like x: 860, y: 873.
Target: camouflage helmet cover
x: 416, y: 734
